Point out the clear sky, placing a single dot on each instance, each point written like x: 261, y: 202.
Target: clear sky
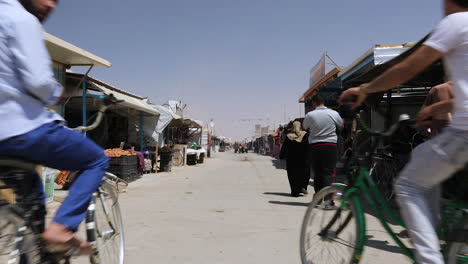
x: 233, y: 59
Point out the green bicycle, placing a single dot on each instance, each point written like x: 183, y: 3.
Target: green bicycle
x: 334, y: 225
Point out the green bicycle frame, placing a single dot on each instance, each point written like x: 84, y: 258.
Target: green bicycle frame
x: 364, y: 187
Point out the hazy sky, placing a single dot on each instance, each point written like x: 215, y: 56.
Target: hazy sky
x: 233, y: 59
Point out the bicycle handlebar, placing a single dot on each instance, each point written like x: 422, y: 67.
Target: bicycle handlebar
x: 387, y: 133
x: 108, y: 101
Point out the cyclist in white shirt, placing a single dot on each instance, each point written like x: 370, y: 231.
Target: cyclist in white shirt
x: 437, y: 159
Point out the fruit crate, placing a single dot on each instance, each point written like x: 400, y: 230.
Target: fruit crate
x: 125, y: 172
x: 123, y: 160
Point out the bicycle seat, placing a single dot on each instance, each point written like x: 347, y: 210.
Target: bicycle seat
x: 16, y: 163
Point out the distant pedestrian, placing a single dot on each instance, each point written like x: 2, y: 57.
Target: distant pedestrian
x: 294, y: 151
x: 323, y: 124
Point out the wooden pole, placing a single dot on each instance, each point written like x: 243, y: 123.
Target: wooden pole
x: 156, y: 153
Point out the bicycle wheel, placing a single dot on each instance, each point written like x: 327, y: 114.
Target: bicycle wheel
x: 457, y: 252
x: 343, y: 240
x: 384, y: 172
x: 105, y: 226
x: 16, y: 240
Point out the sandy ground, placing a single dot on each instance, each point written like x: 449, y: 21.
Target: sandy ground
x: 235, y: 208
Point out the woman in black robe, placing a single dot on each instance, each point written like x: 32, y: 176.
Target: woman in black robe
x: 294, y: 151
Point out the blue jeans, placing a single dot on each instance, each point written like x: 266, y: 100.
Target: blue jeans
x: 55, y: 146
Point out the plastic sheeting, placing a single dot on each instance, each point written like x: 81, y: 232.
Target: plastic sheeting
x: 165, y: 118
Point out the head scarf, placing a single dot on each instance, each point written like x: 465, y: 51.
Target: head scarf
x: 296, y: 134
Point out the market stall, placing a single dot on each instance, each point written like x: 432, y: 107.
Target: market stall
x: 186, y: 132
x: 404, y: 99
x: 127, y: 125
x: 133, y: 121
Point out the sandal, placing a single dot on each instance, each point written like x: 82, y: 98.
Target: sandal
x: 68, y: 250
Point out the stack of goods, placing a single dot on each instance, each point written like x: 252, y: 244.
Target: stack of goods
x: 117, y: 152
x: 123, y: 164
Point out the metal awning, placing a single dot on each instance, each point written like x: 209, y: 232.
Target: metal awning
x: 71, y: 55
x: 324, y: 80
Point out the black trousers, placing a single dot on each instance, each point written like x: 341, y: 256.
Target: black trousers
x: 322, y: 160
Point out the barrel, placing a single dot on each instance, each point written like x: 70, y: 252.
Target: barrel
x: 166, y: 161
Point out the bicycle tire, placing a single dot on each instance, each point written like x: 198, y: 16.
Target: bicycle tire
x: 17, y: 240
x: 354, y: 230
x: 457, y: 251
x: 106, y: 232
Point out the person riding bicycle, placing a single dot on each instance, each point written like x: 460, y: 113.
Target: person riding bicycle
x: 31, y: 132
x: 437, y: 159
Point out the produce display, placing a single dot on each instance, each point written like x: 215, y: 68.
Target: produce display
x: 117, y: 152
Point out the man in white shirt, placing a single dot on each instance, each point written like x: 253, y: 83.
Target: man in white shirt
x: 437, y: 159
x: 31, y: 132
x: 322, y: 124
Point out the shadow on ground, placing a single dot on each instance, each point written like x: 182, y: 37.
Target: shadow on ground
x: 289, y: 203
x: 382, y: 245
x: 279, y: 164
x: 278, y: 194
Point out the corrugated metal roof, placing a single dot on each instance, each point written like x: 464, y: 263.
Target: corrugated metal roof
x: 129, y: 99
x: 431, y: 76
x: 110, y: 86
